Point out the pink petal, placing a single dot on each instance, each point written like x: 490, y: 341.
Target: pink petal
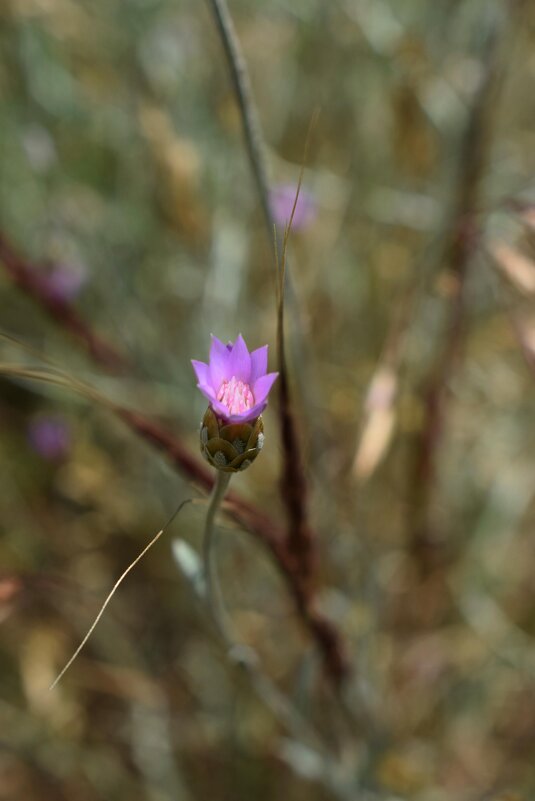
x: 263, y: 385
x: 221, y: 410
x: 282, y: 200
x: 239, y: 363
x: 252, y: 413
x: 207, y: 391
x: 202, y: 371
x: 217, y: 345
x: 259, y: 359
x: 219, y: 363
x: 245, y: 417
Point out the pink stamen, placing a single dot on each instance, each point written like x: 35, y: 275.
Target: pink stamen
x: 236, y: 395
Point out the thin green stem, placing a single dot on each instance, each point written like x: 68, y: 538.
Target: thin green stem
x: 242, y: 654
x: 211, y: 583
x: 249, y: 115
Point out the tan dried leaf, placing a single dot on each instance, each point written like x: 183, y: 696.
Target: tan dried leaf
x: 517, y: 267
x: 379, y: 423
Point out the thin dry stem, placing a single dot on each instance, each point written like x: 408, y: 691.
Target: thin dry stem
x: 115, y: 587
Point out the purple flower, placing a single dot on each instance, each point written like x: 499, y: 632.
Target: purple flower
x: 235, y: 381
x: 66, y: 281
x: 282, y: 199
x: 49, y: 437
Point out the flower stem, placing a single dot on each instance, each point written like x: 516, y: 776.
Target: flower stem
x: 211, y: 582
x: 242, y: 654
x: 241, y: 82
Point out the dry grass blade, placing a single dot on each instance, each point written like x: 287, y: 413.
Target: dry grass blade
x: 115, y: 587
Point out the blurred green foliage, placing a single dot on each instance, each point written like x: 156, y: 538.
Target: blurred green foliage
x: 121, y: 156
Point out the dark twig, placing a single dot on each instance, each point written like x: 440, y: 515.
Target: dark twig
x: 458, y: 255
x: 300, y: 538
x: 28, y: 278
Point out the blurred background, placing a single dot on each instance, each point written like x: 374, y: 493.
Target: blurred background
x: 130, y: 229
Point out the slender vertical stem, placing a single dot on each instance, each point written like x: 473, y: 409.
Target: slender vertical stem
x: 242, y: 654
x: 249, y: 115
x: 212, y: 590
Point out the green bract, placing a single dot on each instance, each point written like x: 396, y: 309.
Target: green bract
x: 230, y: 447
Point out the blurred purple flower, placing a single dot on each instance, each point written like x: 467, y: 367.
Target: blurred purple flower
x: 282, y: 199
x: 235, y: 381
x: 50, y: 437
x: 65, y: 281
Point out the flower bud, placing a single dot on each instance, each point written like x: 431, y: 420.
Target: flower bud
x: 230, y: 447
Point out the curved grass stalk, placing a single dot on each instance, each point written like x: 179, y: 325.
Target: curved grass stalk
x: 115, y: 587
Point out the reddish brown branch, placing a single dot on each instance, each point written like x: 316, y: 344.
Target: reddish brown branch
x: 300, y: 539
x: 460, y: 248
x: 34, y: 284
